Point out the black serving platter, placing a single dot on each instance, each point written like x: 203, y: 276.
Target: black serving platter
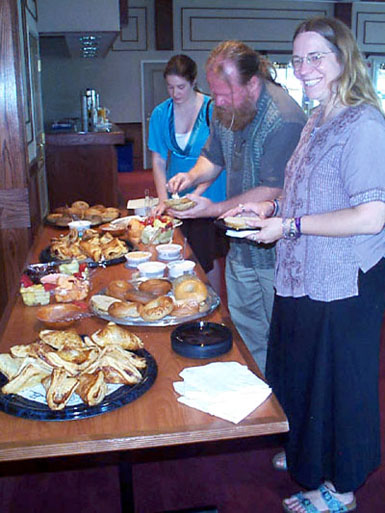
x: 18, y: 406
x: 201, y: 339
x: 46, y: 257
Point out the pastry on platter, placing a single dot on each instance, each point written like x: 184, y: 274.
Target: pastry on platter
x: 60, y: 386
x: 112, y: 334
x: 92, y: 388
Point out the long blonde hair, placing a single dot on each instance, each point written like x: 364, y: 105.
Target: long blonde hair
x: 353, y: 86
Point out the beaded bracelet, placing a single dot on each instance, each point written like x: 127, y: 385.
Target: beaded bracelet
x: 275, y: 205
x: 291, y: 228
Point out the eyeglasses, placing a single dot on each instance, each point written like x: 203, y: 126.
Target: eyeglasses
x: 313, y: 59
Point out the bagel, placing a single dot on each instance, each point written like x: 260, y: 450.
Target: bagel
x: 138, y: 296
x: 156, y: 309
x: 123, y: 309
x: 190, y: 287
x: 185, y: 308
x: 118, y: 289
x: 92, y: 211
x: 180, y: 204
x: 83, y: 205
x: 156, y: 286
x: 109, y: 214
x: 239, y: 222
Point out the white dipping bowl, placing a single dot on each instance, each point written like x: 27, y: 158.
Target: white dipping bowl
x: 180, y: 267
x: 169, y: 251
x: 80, y: 226
x: 152, y: 269
x: 137, y: 257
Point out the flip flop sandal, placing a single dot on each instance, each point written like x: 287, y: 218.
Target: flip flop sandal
x: 279, y: 461
x: 305, y: 503
x: 333, y: 504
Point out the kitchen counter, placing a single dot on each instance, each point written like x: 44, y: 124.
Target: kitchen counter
x: 83, y: 166
x: 71, y: 138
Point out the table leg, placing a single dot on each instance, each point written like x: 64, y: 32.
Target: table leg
x: 127, y: 503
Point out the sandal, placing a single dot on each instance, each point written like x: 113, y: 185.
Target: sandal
x: 279, y: 461
x: 333, y: 505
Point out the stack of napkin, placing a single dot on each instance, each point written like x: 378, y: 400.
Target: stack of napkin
x: 225, y: 389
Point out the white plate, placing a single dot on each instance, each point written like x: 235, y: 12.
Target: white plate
x: 240, y: 234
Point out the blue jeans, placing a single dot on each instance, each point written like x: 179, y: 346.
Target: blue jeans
x: 250, y: 295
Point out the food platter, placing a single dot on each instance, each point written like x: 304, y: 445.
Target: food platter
x: 35, y: 407
x: 211, y: 303
x: 45, y: 257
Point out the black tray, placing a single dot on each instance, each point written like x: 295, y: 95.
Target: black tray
x: 201, y: 339
x: 18, y: 406
x: 46, y: 257
x: 219, y: 223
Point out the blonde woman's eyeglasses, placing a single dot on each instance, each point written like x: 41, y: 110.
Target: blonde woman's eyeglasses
x: 313, y: 59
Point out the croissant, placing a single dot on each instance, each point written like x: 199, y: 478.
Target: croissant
x: 114, y: 334
x: 92, y: 388
x: 10, y: 366
x: 60, y: 388
x: 115, y: 372
x: 30, y: 375
x: 60, y: 338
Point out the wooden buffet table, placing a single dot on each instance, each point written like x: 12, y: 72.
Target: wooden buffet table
x: 83, y: 166
x: 156, y: 419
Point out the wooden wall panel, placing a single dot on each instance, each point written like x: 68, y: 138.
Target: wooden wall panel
x: 14, y: 242
x: 133, y: 36
x: 268, y: 29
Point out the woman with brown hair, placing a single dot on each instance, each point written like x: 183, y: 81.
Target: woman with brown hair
x: 323, y: 355
x: 179, y: 128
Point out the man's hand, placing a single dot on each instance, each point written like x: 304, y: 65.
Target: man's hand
x: 201, y: 208
x: 179, y: 182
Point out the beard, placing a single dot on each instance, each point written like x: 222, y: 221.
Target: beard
x: 236, y: 118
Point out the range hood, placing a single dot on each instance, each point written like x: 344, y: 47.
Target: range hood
x: 88, y: 28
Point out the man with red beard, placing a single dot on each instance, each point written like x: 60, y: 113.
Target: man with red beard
x: 255, y: 127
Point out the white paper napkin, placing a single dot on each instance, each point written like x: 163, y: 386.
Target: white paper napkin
x: 140, y: 203
x: 227, y: 390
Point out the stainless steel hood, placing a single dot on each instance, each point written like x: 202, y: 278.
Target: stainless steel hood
x: 81, y: 29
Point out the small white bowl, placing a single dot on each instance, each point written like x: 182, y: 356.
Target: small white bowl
x: 169, y: 251
x: 80, y: 226
x: 152, y: 269
x: 180, y: 267
x: 137, y: 257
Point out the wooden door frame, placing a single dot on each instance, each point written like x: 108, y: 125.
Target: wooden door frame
x: 14, y: 241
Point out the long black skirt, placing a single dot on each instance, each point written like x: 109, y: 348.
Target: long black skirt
x: 323, y: 364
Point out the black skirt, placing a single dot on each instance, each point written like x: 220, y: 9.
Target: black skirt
x: 206, y: 240
x: 323, y: 364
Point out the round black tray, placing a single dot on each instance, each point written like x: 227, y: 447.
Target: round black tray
x: 18, y: 406
x: 201, y: 339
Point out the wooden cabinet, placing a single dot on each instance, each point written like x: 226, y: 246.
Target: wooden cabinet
x: 83, y: 167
